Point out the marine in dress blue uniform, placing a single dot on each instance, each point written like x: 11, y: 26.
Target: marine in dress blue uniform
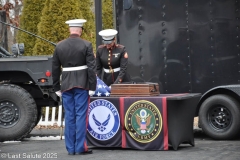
x: 111, y: 59
x: 74, y: 56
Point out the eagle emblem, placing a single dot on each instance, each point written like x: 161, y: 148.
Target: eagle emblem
x: 116, y: 54
x: 101, y: 126
x: 143, y: 120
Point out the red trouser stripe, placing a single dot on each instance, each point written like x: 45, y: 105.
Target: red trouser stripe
x: 85, y: 143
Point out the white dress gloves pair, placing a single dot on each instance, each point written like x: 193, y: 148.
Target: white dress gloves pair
x: 59, y: 93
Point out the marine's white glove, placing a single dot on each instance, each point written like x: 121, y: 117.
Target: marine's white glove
x: 109, y: 87
x: 91, y: 93
x: 59, y: 93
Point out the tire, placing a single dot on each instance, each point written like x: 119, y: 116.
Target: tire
x: 219, y: 116
x: 18, y: 112
x: 39, y: 115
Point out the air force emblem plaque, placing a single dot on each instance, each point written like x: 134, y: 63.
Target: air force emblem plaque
x: 104, y: 120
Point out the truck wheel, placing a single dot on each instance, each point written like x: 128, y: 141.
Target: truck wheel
x: 39, y: 115
x: 18, y: 112
x: 219, y: 117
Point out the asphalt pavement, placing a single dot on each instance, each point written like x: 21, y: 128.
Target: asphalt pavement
x: 46, y: 144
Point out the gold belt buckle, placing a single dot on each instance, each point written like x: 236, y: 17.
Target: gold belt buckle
x: 111, y: 70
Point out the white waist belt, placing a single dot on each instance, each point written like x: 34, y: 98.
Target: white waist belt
x: 75, y: 68
x: 111, y: 70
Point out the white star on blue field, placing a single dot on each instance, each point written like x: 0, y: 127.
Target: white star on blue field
x: 102, y: 89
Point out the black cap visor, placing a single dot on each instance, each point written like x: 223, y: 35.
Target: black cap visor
x: 107, y: 41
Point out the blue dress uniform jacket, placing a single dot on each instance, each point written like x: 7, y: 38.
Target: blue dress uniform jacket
x: 74, y: 52
x: 110, y: 59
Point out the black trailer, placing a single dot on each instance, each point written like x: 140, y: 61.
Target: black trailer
x: 188, y: 46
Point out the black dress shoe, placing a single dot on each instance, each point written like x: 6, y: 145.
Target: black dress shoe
x: 89, y: 151
x: 71, y: 154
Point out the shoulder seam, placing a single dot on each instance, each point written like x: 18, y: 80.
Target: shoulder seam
x: 101, y: 46
x: 119, y: 46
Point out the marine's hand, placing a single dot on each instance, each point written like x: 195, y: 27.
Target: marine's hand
x: 91, y: 93
x: 59, y: 93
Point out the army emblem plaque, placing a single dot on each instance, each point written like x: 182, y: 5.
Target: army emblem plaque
x: 143, y: 121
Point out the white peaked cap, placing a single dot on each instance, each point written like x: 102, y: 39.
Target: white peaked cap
x: 108, y: 34
x: 76, y: 22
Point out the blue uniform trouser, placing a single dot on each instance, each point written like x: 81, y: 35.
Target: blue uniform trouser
x: 75, y: 103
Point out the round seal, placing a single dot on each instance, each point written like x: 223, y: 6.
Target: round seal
x: 143, y: 121
x: 104, y: 120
